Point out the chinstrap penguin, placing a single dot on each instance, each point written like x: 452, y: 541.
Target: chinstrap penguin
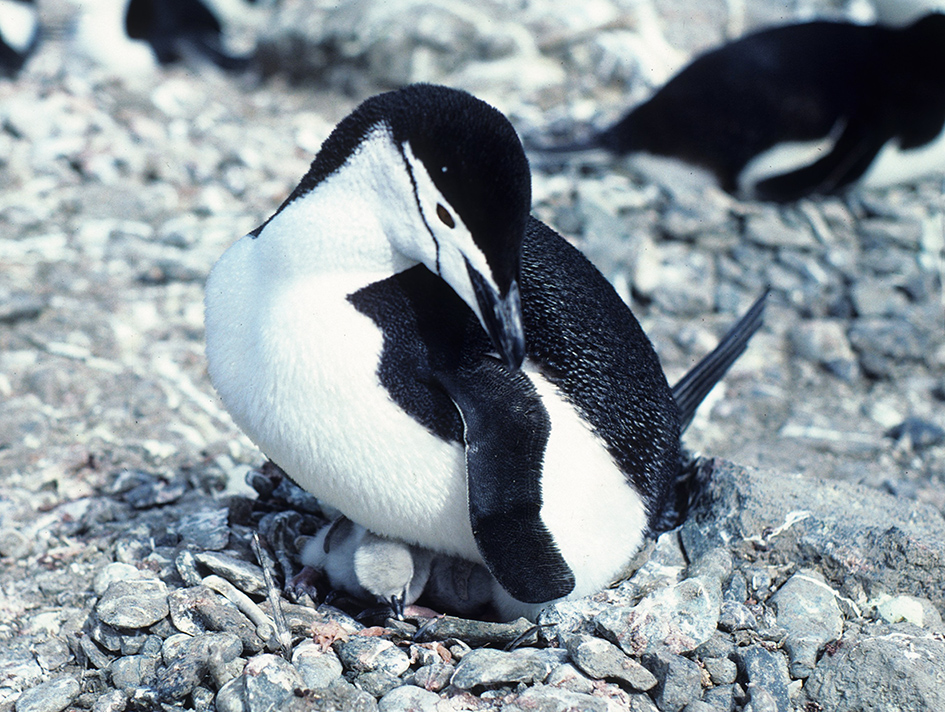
x: 799, y: 109
x: 413, y: 348
x: 19, y: 34
x: 377, y: 569
x: 135, y: 36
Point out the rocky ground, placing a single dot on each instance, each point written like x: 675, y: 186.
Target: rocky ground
x: 808, y: 577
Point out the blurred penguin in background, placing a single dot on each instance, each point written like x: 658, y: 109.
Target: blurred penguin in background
x: 19, y: 33
x: 800, y: 109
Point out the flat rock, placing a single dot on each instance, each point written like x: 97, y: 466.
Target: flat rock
x: 858, y: 536
x: 602, y: 660
x: 133, y: 604
x: 52, y: 696
x: 889, y: 667
x: 487, y: 667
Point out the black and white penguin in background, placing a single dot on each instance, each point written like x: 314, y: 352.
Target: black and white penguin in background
x: 137, y: 36
x: 414, y: 349
x: 19, y: 33
x: 800, y: 109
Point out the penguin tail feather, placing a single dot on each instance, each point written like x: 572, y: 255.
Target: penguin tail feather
x: 692, y: 388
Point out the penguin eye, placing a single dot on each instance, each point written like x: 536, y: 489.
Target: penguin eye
x: 444, y: 215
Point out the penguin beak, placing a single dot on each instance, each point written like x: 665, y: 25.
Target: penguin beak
x: 501, y: 317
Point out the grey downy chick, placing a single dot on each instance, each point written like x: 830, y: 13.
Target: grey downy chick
x: 367, y: 566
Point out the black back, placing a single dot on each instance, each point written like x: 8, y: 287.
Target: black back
x: 170, y: 26
x: 795, y: 83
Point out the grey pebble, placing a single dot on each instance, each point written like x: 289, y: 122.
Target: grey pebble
x: 736, y: 616
x: 807, y: 609
x: 474, y: 632
x: 245, y: 576
x: 133, y: 604
x: 408, y: 698
x: 362, y: 653
x: 133, y: 671
x: 433, y: 676
x: 318, y: 668
x: 722, y: 671
x: 116, y: 571
x: 568, y: 677
x: 603, y: 660
x: 485, y: 667
x: 270, y: 682
x: 207, y: 529
x: 111, y: 701
x: 679, y: 680
x: 721, y: 697
x: 766, y: 670
x: 679, y: 617
x: 52, y: 696
x: 700, y: 706
x: 377, y: 682
x: 52, y: 654
x: 760, y: 700
x: 544, y: 698
x: 198, y: 609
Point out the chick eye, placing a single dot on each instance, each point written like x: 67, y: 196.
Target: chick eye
x: 444, y: 215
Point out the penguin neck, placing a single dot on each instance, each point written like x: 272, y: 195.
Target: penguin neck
x: 345, y: 222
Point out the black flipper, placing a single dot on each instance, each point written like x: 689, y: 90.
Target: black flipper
x: 506, y: 431
x: 847, y: 161
x: 692, y: 388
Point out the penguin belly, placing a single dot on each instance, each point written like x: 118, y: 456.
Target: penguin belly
x: 597, y: 519
x: 896, y: 165
x: 296, y: 367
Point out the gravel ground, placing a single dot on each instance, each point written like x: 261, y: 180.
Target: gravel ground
x: 116, y: 458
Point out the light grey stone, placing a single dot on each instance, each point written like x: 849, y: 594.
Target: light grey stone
x: 486, y: 667
x: 808, y: 610
x: 133, y: 604
x: 52, y: 696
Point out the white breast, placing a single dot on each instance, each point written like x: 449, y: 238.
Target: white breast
x: 296, y: 366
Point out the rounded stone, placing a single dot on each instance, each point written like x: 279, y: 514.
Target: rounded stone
x: 133, y: 604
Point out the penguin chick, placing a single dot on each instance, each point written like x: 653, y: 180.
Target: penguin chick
x: 800, y: 109
x: 409, y: 345
x: 367, y: 566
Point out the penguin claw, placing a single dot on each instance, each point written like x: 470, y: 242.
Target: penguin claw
x: 303, y: 584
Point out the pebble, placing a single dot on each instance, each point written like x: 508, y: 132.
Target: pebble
x: 433, y: 676
x: 363, y: 653
x: 909, y: 609
x: 377, y: 682
x: 111, y: 701
x: 208, y: 529
x: 245, y: 576
x: 765, y: 670
x: 408, y: 698
x: 269, y: 682
x: 568, y: 677
x: 679, y: 617
x: 544, y: 698
x: 133, y: 671
x: 807, y: 609
x: 52, y: 696
x: 198, y: 609
x: 722, y: 671
x: 133, y: 604
x: 318, y: 667
x: 486, y: 667
x: 602, y: 660
x: 474, y: 632
x: 679, y: 680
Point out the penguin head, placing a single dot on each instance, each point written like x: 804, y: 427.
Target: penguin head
x: 460, y: 202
